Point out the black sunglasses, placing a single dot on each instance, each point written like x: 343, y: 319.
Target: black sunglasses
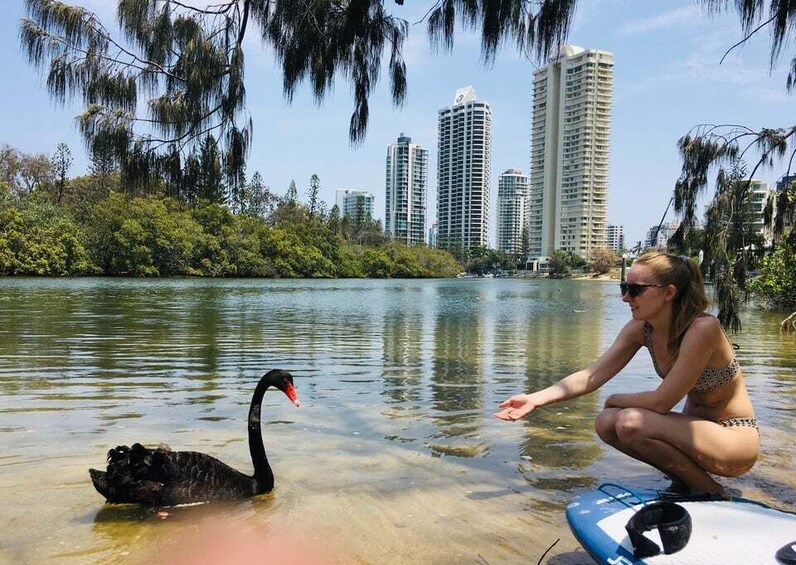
x: 634, y: 289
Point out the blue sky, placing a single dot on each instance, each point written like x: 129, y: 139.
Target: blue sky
x: 667, y: 79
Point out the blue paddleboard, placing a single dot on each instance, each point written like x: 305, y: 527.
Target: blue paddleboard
x: 732, y: 531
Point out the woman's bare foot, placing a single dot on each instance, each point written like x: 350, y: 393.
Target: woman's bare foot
x: 677, y: 487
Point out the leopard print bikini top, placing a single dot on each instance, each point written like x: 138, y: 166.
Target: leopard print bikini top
x: 712, y: 378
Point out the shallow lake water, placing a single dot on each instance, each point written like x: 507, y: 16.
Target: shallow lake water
x: 394, y: 455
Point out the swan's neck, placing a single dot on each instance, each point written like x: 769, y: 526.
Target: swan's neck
x: 263, y: 475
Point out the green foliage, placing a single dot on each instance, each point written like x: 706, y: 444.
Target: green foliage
x: 776, y: 284
x: 559, y: 266
x: 419, y: 261
x: 730, y: 244
x: 256, y: 199
x: 82, y: 193
x: 23, y: 173
x: 189, y: 61
x: 722, y: 148
x: 525, y: 243
x: 484, y: 260
x: 376, y: 263
x: 313, y: 202
x: 210, y: 181
x: 61, y: 161
x: 694, y: 242
x: 435, y: 262
x: 157, y: 235
x: 143, y: 237
x: 576, y: 261
x: 291, y: 196
x: 37, y: 238
x: 562, y: 263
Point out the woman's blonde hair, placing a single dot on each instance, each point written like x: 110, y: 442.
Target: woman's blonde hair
x: 689, y: 301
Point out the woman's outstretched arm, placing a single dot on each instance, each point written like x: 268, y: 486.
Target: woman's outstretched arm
x: 587, y: 380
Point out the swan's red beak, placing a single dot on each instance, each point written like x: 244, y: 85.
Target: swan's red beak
x: 290, y: 392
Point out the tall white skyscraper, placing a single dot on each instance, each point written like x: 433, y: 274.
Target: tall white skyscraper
x: 463, y: 151
x: 407, y: 191
x: 570, y: 136
x: 512, y: 204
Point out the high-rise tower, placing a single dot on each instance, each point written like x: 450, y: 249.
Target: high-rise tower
x: 463, y: 149
x: 615, y: 238
x: 407, y: 191
x: 512, y: 210
x: 570, y: 137
x: 358, y: 204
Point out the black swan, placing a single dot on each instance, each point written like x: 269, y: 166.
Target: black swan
x: 162, y: 477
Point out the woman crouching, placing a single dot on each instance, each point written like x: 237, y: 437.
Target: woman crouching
x: 717, y: 431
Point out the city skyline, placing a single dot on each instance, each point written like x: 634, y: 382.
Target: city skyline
x: 668, y: 79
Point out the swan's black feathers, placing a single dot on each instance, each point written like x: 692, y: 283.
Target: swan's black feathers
x: 162, y: 477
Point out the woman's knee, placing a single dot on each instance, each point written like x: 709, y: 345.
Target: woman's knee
x: 629, y: 425
x: 605, y: 424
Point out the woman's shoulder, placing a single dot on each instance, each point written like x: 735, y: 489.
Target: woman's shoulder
x: 706, y: 321
x: 633, y: 331
x: 706, y: 326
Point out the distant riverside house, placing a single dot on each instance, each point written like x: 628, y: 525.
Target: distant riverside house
x: 539, y: 265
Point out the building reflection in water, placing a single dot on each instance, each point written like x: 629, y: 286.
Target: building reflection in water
x: 458, y: 377
x: 403, y: 360
x: 448, y: 358
x: 559, y: 440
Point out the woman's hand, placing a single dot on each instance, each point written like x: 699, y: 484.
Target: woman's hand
x: 516, y: 407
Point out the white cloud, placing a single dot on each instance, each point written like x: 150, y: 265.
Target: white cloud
x: 746, y: 77
x: 744, y: 69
